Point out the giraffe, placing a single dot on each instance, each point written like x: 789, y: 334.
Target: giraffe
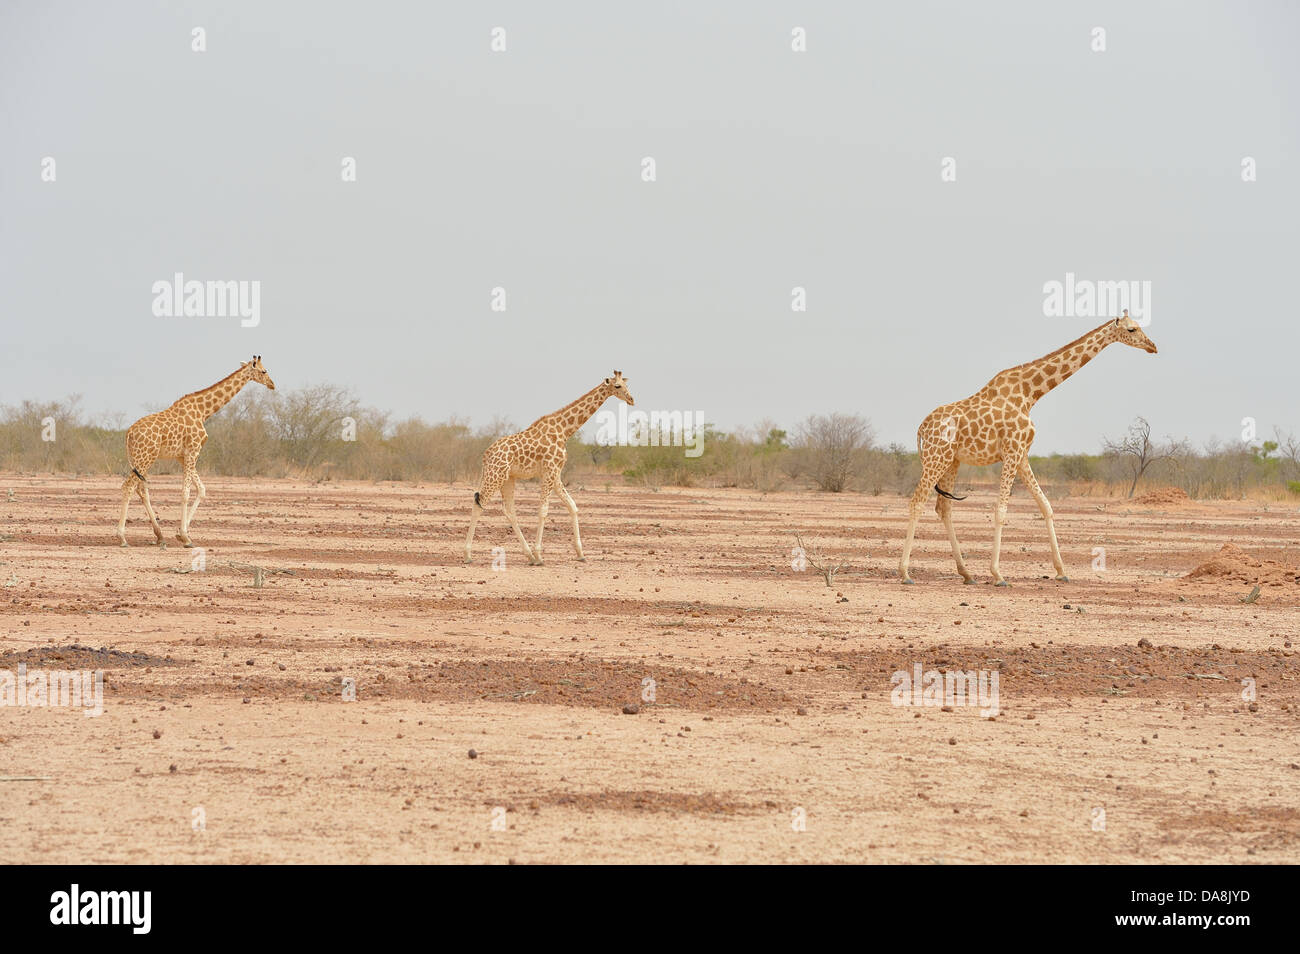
x: 177, y: 434
x: 539, y: 451
x: 993, y: 425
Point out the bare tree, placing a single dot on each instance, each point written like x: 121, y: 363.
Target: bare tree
x: 309, y: 419
x: 833, y: 448
x: 813, y: 557
x: 1137, y: 451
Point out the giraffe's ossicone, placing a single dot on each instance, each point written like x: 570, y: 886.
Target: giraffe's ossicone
x: 993, y: 425
x: 177, y: 434
x: 539, y: 451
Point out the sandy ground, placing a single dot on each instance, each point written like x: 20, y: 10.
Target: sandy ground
x: 225, y: 735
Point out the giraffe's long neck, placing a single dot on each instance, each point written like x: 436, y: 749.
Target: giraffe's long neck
x: 1047, y: 372
x: 211, y: 400
x: 572, y: 416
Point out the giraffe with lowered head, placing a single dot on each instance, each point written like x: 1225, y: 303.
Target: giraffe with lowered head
x: 993, y: 425
x: 177, y: 434
x: 539, y: 451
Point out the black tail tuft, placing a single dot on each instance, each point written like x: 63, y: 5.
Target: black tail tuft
x: 478, y: 503
x: 946, y: 494
x: 140, y: 475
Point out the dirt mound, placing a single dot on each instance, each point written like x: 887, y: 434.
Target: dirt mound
x: 83, y: 657
x: 1232, y: 564
x: 1165, y: 497
x: 593, y: 683
x: 706, y: 803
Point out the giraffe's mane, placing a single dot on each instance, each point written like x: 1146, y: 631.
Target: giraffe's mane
x: 1053, y: 354
x: 573, y: 403
x: 210, y: 386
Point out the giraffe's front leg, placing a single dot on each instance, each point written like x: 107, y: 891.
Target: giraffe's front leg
x: 191, y: 476
x: 183, y: 536
x: 198, y: 498
x: 1045, y: 508
x: 1008, y: 478
x: 573, y: 509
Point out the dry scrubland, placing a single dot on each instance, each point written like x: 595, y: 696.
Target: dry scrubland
x: 1119, y: 691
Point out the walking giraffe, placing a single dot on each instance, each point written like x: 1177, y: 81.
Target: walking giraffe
x: 177, y: 434
x: 993, y: 425
x: 539, y: 451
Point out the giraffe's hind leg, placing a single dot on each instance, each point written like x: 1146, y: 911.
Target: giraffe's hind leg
x: 128, y: 488
x: 142, y: 488
x: 508, y: 504
x: 943, y: 506
x: 932, y: 468
x: 475, y: 510
x: 1045, y: 508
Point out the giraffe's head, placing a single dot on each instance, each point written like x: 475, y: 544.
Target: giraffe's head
x: 258, y: 373
x: 1129, y: 332
x: 618, y: 385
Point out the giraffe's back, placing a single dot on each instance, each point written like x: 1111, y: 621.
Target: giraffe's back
x: 159, y: 436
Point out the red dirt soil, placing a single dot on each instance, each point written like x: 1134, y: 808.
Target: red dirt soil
x: 684, y: 695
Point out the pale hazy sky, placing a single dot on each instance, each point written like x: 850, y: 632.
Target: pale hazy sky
x: 775, y: 169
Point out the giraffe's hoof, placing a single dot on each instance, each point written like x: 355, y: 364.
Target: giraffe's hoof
x: 581, y: 558
x: 1001, y: 583
x: 1063, y: 579
x: 124, y: 544
x: 968, y: 580
x: 909, y: 581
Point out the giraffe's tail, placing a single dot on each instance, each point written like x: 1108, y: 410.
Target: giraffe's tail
x: 478, y: 501
x: 945, y: 493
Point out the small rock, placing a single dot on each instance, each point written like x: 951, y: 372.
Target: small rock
x: 631, y: 709
x: 473, y: 753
